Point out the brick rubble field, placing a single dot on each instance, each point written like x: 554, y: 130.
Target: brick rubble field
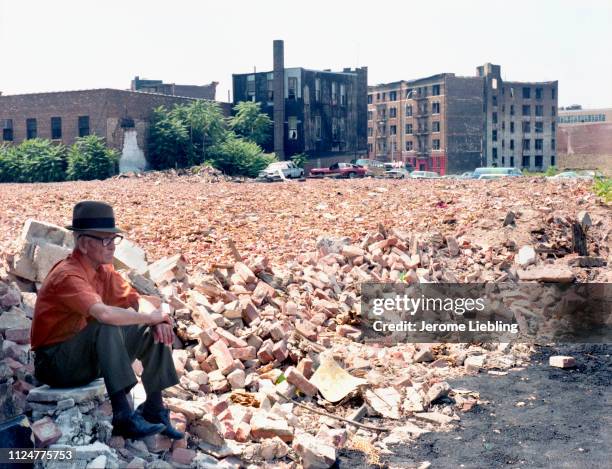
x: 263, y: 283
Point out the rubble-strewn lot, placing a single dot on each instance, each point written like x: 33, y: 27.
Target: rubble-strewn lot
x: 263, y: 282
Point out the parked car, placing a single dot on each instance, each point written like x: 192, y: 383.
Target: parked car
x: 506, y: 172
x: 288, y: 169
x: 374, y: 167
x: 491, y: 176
x: 397, y: 173
x: 424, y: 175
x: 346, y: 170
x: 465, y: 175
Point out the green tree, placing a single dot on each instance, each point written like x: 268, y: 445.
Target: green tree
x: 168, y: 140
x: 236, y: 156
x: 89, y: 158
x: 249, y: 122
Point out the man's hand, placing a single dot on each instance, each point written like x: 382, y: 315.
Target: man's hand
x: 158, y: 317
x: 163, y: 332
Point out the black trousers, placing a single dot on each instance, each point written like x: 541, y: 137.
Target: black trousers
x: 102, y: 350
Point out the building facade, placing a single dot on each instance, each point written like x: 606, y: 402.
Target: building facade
x: 320, y: 113
x: 189, y: 91
x: 423, y: 123
x: 585, y: 139
x: 520, y: 128
x: 120, y: 117
x: 450, y: 124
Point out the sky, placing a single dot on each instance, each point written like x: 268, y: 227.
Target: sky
x: 69, y: 44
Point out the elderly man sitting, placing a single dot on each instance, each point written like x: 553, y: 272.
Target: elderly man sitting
x: 86, y: 325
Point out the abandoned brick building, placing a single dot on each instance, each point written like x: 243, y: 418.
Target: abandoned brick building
x: 320, y: 113
x: 450, y: 124
x: 121, y: 117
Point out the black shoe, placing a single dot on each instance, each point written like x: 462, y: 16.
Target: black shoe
x: 161, y: 417
x: 135, y: 427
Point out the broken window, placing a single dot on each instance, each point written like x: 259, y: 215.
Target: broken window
x: 392, y: 95
x: 270, y: 87
x: 292, y: 87
x: 552, y: 160
x: 31, y: 128
x: 494, y: 118
x: 539, y: 110
x: 435, y: 90
x: 553, y: 144
x: 538, y: 92
x: 526, y: 144
x: 56, y: 128
x: 511, y: 144
x: 435, y: 107
x: 409, y: 128
x: 83, y: 126
x: 342, y: 95
x: 408, y: 110
x: 526, y: 161
x: 7, y: 130
x: 250, y: 91
x: 539, y: 161
x: 526, y: 127
x: 435, y: 126
x: 494, y: 135
x: 526, y: 109
x: 317, y: 126
x: 392, y: 112
x: 512, y: 109
x: 318, y: 91
x: 503, y: 161
x: 435, y: 144
x: 408, y: 145
x: 494, y: 100
x: 539, y: 144
x: 494, y: 153
x: 409, y: 93
x: 292, y: 128
x: 392, y: 130
x: 511, y: 127
x: 526, y: 92
x: 539, y: 127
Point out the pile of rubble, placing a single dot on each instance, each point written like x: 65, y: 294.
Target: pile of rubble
x: 272, y: 366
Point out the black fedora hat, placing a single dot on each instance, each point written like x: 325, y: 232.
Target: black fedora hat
x: 90, y: 215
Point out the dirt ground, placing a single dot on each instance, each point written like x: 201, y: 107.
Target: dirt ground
x: 565, y: 422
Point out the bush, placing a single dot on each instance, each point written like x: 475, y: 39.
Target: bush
x: 89, y: 158
x: 35, y: 160
x: 250, y: 123
x: 299, y: 159
x: 236, y: 156
x: 551, y: 171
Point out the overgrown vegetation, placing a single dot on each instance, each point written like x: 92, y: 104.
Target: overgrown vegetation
x: 196, y: 133
x: 40, y: 160
x: 299, y: 159
x: 602, y: 186
x: 89, y: 158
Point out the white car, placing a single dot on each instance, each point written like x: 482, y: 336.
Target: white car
x: 424, y: 175
x: 287, y: 169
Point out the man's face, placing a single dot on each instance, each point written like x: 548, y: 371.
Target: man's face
x: 94, y: 248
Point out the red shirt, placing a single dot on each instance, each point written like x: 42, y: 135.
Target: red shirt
x: 71, y: 288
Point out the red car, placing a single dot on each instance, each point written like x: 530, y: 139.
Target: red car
x: 340, y: 170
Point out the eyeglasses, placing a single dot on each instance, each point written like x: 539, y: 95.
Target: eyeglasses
x: 106, y: 241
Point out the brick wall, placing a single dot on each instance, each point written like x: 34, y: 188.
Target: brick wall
x: 585, y: 146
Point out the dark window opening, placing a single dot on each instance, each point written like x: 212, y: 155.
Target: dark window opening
x: 526, y: 161
x: 56, y: 128
x: 292, y: 87
x: 31, y: 128
x: 526, y: 93
x: 435, y: 90
x: 83, y: 126
x: 539, y: 161
x: 7, y: 130
x: 538, y: 94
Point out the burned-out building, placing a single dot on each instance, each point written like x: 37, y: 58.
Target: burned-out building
x: 520, y: 121
x: 120, y: 117
x: 188, y: 91
x: 450, y: 124
x: 317, y: 112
